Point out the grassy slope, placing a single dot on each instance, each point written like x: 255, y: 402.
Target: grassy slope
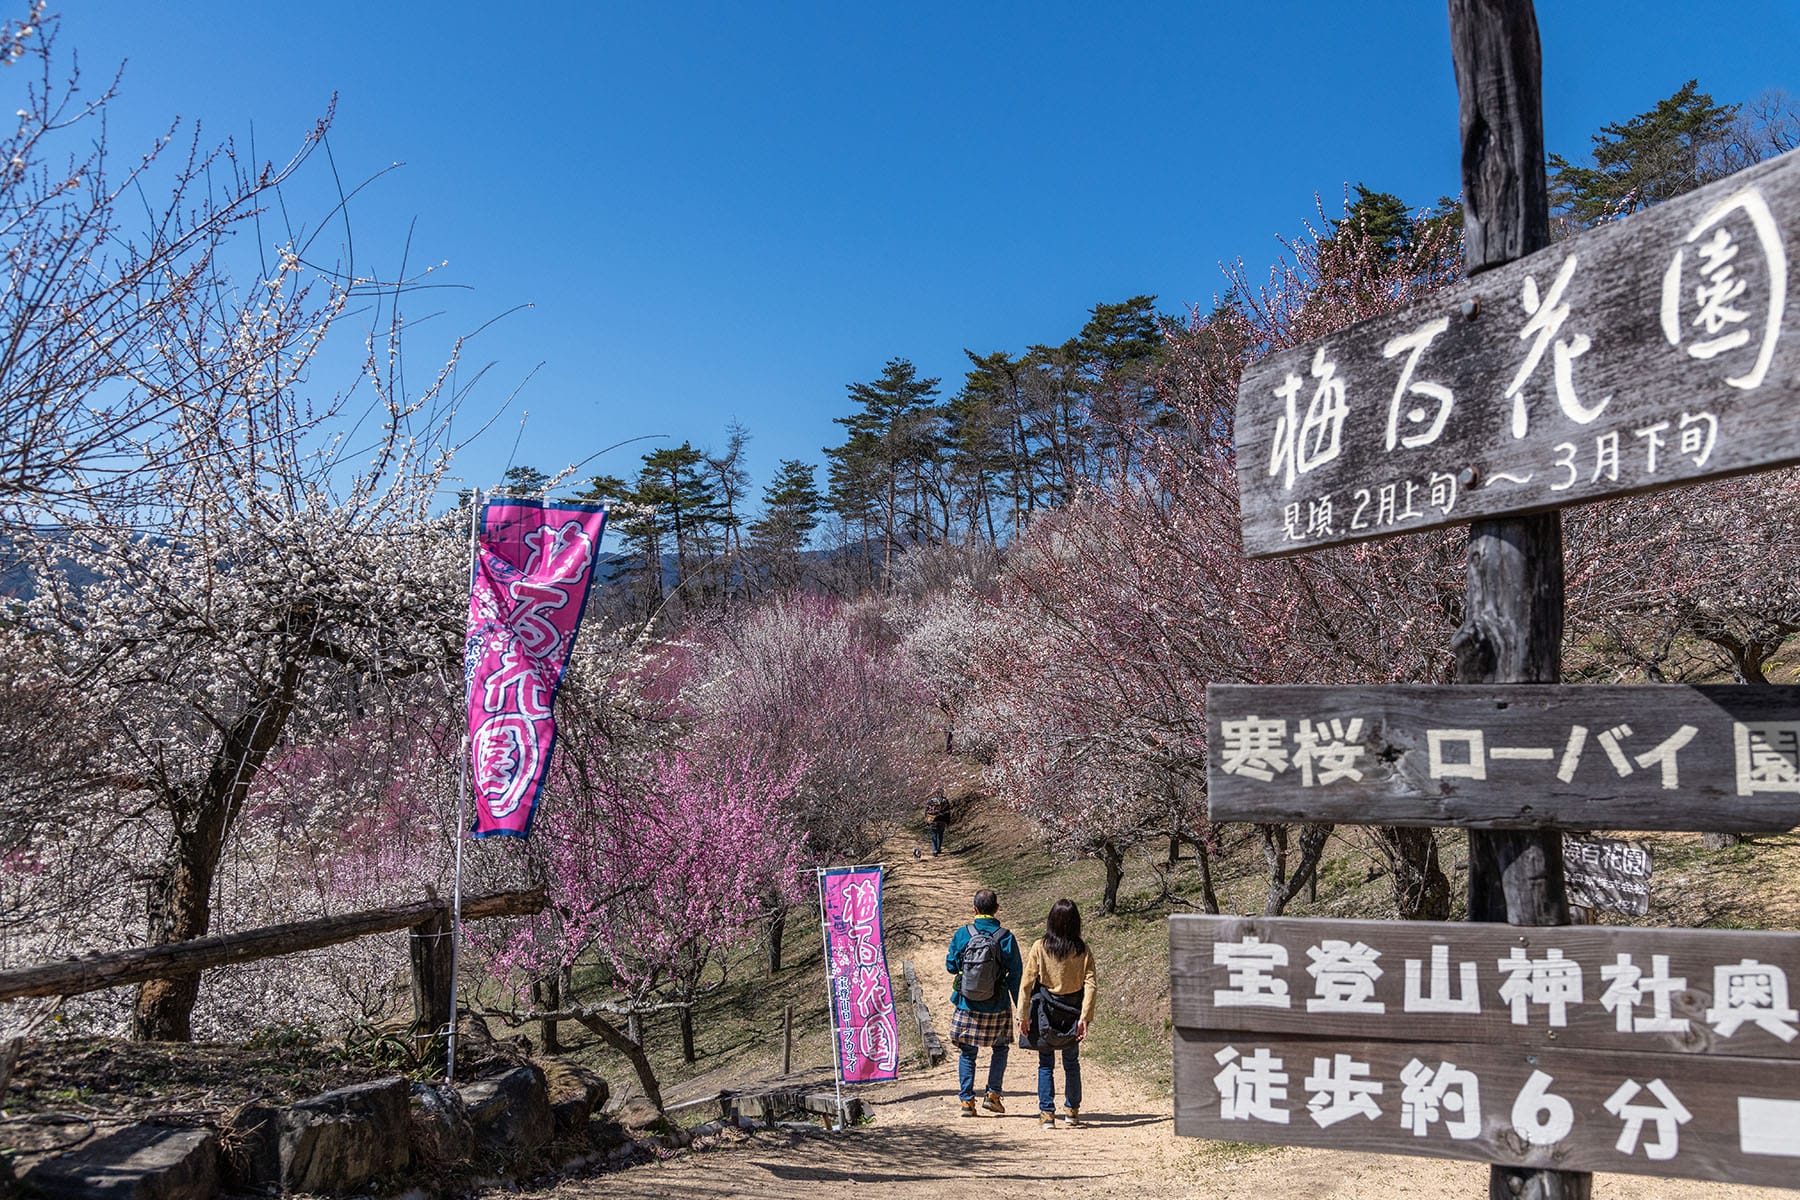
x: 1755, y: 886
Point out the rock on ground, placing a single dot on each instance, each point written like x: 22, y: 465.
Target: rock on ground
x: 132, y: 1162
x: 510, y: 1112
x: 339, y: 1141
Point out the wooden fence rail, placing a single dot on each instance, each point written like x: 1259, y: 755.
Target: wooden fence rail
x: 428, y: 919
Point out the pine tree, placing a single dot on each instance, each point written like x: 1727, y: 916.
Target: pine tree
x: 689, y: 508
x: 1056, y: 417
x: 731, y: 476
x: 1119, y: 349
x: 1382, y: 218
x: 881, y: 469
x: 637, y: 527
x: 1673, y: 148
x: 990, y: 450
x: 523, y: 483
x: 791, y: 505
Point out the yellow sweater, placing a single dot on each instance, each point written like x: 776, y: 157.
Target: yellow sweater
x: 1064, y: 976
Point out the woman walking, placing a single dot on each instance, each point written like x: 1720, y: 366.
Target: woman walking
x: 1058, y: 992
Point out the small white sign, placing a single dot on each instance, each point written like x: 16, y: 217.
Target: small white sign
x: 1769, y: 1126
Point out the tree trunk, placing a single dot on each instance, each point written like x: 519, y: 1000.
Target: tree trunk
x: 777, y: 924
x: 1282, y: 890
x: 632, y: 1050
x: 180, y: 900
x: 1421, y: 889
x: 180, y: 909
x: 1114, y: 859
x: 1747, y: 659
x: 634, y: 1029
x: 1208, y: 898
x: 1274, y: 848
x: 687, y: 1033
x: 433, y: 983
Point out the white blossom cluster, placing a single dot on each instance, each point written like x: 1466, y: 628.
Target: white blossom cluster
x: 277, y: 586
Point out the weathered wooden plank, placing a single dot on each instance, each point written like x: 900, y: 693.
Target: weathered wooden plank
x: 1519, y: 756
x: 930, y: 1044
x: 1625, y: 359
x: 1573, y: 986
x: 91, y: 974
x: 1570, y: 1110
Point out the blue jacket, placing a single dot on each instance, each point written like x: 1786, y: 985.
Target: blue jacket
x: 1012, y: 968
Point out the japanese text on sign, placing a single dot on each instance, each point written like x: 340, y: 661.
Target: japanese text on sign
x: 856, y: 967
x: 1583, y: 757
x: 1525, y: 389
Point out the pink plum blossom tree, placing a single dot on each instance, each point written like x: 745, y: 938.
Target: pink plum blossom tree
x: 654, y: 876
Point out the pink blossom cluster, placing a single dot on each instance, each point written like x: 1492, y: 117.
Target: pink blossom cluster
x: 655, y: 874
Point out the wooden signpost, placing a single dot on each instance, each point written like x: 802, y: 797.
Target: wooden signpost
x: 1512, y: 757
x: 1648, y: 354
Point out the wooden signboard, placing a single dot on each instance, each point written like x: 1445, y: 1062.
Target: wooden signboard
x: 1584, y: 987
x: 1568, y: 1110
x: 1640, y: 355
x: 1607, y: 873
x: 1492, y: 1043
x: 1507, y: 757
x: 1646, y: 353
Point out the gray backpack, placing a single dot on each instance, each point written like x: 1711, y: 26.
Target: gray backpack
x: 981, y: 964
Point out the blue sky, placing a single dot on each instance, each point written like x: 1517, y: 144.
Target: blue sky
x: 734, y: 210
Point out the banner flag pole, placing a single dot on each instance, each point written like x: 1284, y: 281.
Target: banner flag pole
x: 462, y: 796
x: 837, y: 1066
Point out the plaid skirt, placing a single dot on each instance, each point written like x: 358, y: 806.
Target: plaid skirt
x: 981, y: 1028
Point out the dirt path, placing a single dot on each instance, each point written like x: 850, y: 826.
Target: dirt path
x: 919, y: 1145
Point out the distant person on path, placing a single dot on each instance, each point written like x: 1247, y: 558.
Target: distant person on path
x: 937, y: 815
x: 1059, y: 1005
x: 985, y: 960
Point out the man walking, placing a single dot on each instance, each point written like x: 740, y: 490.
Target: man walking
x: 984, y: 957
x: 937, y: 815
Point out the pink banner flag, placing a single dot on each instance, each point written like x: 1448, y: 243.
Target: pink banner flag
x: 533, y: 566
x: 862, y: 996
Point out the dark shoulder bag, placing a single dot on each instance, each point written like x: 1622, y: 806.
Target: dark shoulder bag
x: 1053, y: 1019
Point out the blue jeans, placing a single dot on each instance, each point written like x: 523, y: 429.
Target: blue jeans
x: 937, y: 836
x: 1071, y: 1056
x: 965, y: 1069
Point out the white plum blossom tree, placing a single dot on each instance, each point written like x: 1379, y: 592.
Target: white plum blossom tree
x: 267, y: 570
x: 98, y: 254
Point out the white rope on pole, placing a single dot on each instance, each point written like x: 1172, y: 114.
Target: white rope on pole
x: 462, y: 796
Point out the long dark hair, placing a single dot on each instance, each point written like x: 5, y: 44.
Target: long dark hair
x: 1062, y: 930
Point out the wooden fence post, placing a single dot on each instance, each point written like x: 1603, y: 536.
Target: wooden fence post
x: 433, y: 987
x: 787, y: 1039
x: 1512, y: 625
